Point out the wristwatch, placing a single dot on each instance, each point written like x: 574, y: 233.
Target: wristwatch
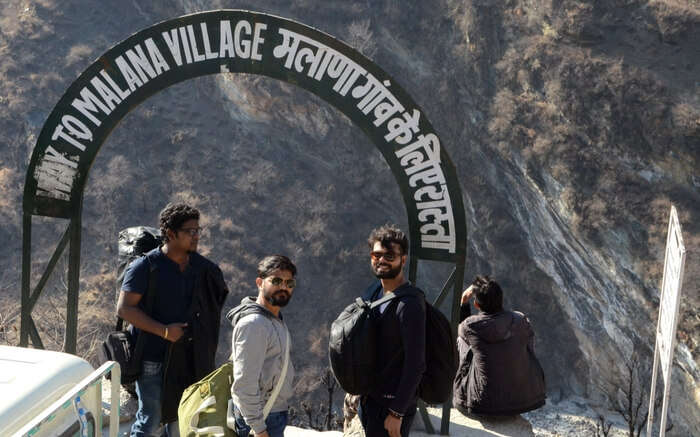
x: 395, y: 414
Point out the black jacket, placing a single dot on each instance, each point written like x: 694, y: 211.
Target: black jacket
x: 192, y: 357
x: 498, y: 372
x: 401, y: 348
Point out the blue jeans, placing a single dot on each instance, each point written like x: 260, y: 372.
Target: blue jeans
x: 275, y: 423
x: 149, y: 387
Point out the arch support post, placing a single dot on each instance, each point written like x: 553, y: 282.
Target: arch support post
x: 71, y: 338
x: 454, y: 282
x: 26, y: 314
x: 456, y: 303
x: 29, y: 298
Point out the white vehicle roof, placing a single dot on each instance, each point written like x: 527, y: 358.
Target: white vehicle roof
x: 32, y: 379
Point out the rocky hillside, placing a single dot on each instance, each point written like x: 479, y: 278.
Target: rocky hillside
x: 574, y: 126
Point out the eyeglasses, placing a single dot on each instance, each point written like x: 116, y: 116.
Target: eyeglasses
x: 192, y: 231
x: 290, y: 283
x: 389, y: 256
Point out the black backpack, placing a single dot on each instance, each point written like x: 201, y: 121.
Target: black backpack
x: 120, y: 345
x: 441, y: 358
x: 353, y: 344
x: 133, y: 243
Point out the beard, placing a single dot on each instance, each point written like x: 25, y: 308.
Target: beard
x: 279, y: 298
x: 391, y: 273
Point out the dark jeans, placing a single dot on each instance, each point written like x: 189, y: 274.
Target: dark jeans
x: 149, y: 387
x: 275, y: 423
x: 372, y: 415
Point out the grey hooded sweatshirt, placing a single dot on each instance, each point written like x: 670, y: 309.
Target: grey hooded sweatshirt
x: 258, y: 348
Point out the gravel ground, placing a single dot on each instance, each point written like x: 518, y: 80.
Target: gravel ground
x: 572, y: 417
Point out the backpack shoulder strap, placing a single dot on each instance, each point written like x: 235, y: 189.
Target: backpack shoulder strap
x: 387, y: 297
x: 150, y: 293
x: 150, y: 298
x: 392, y: 295
x: 276, y: 391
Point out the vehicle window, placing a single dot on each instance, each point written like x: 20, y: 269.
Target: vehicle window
x: 74, y: 429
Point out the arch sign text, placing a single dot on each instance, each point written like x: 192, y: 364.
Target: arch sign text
x: 247, y: 42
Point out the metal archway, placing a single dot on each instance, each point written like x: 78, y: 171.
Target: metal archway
x: 242, y: 42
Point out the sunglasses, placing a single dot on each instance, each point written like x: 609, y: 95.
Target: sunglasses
x: 192, y: 231
x: 389, y: 256
x: 290, y: 283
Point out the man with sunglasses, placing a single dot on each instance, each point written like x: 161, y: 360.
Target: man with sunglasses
x: 189, y: 293
x: 260, y: 343
x: 391, y: 406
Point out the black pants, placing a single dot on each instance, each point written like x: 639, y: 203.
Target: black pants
x: 372, y: 415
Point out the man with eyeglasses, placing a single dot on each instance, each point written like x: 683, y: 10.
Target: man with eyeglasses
x: 391, y: 406
x: 260, y: 342
x: 182, y: 329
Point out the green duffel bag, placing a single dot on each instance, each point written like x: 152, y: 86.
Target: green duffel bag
x: 204, y: 404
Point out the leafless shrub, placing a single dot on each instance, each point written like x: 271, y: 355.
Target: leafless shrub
x: 322, y: 416
x: 504, y: 110
x: 628, y: 392
x: 361, y: 37
x: 602, y: 427
x: 329, y: 382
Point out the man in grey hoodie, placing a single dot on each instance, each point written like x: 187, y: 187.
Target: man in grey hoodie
x: 259, y: 343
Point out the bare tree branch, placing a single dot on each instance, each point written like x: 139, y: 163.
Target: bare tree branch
x: 628, y: 392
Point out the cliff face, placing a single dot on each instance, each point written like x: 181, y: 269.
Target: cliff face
x: 591, y: 130
x: 573, y: 126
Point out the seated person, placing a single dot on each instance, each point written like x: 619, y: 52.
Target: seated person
x: 498, y: 372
